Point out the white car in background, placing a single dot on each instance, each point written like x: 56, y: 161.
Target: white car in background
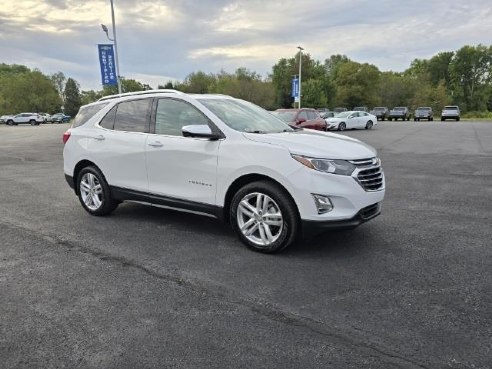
x: 351, y: 119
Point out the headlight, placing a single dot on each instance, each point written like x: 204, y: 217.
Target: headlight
x: 336, y: 166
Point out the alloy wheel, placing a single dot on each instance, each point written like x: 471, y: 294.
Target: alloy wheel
x: 260, y: 219
x: 91, y: 191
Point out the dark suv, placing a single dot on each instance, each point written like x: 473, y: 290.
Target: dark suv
x: 399, y: 112
x: 423, y: 112
x: 381, y: 112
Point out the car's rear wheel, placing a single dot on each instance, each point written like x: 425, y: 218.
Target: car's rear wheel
x: 342, y: 126
x: 94, y: 193
x: 33, y: 122
x: 264, y: 217
x: 369, y: 124
x: 458, y: 119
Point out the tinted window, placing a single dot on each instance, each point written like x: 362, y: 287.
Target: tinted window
x: 302, y: 115
x: 85, y: 113
x: 172, y: 115
x: 132, y: 116
x: 108, y: 120
x: 311, y: 115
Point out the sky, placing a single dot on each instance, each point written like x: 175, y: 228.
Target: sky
x: 159, y: 40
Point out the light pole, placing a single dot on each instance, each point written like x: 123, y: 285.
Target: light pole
x: 105, y: 29
x: 300, y: 69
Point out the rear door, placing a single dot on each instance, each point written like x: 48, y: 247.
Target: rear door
x: 118, y: 144
x: 180, y: 167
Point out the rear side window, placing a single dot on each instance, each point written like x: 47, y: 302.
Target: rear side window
x: 85, y: 113
x: 132, y: 116
x: 108, y: 120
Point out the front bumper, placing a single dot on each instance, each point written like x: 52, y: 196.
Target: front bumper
x: 314, y: 227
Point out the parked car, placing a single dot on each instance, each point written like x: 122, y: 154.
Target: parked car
x: 29, y: 118
x: 361, y: 108
x: 327, y: 114
x: 381, y: 112
x: 423, y: 112
x: 399, y: 112
x: 46, y: 117
x: 351, y: 119
x: 60, y: 118
x: 301, y: 118
x: 223, y: 157
x: 340, y: 109
x: 5, y: 118
x: 451, y: 112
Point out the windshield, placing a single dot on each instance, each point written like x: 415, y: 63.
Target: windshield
x: 286, y: 116
x: 378, y: 109
x: 425, y: 109
x: 451, y: 107
x: 399, y: 109
x: 243, y: 116
x: 344, y: 114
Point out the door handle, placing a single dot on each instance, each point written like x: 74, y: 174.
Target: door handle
x: 99, y: 138
x: 156, y: 144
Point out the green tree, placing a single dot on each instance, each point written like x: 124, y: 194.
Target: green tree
x: 89, y: 96
x: 59, y: 80
x: 357, y: 85
x: 313, y: 94
x: 471, y: 76
x: 73, y: 99
x: 197, y: 82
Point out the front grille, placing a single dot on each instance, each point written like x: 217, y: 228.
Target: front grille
x: 370, y: 211
x: 369, y: 174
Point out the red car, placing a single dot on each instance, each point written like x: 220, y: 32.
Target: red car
x: 301, y: 118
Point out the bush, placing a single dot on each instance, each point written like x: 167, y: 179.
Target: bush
x: 478, y: 115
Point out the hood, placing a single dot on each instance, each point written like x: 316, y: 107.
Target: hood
x: 316, y: 144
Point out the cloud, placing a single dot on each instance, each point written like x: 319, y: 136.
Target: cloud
x: 172, y: 38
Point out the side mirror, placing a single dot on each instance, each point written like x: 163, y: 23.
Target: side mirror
x: 199, y: 131
x: 301, y: 120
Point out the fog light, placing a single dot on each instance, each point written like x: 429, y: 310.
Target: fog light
x: 323, y: 203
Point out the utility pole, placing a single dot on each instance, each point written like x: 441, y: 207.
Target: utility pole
x: 300, y: 70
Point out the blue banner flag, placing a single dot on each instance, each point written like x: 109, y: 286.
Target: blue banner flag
x: 106, y: 61
x: 295, y: 87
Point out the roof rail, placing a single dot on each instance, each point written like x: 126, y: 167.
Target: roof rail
x: 146, y: 92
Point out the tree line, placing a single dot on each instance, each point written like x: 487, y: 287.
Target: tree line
x: 462, y: 77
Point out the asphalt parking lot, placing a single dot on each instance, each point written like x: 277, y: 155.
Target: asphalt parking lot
x: 148, y: 287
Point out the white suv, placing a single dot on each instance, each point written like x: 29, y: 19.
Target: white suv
x: 223, y: 157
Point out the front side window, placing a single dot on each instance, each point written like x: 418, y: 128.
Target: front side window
x: 132, y: 116
x: 172, y: 115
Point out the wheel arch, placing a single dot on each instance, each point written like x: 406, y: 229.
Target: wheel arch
x: 243, y: 181
x: 78, y: 167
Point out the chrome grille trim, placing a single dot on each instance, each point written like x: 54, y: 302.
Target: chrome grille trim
x: 369, y: 174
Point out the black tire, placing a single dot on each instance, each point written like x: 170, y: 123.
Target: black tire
x: 408, y: 118
x: 33, y: 122
x: 291, y: 222
x: 442, y: 119
x: 342, y: 126
x: 108, y: 204
x: 382, y: 118
x: 414, y: 119
x: 10, y: 122
x: 369, y: 124
x: 431, y: 119
x: 390, y: 119
x: 458, y: 119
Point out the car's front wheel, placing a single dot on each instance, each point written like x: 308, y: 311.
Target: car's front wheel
x: 342, y: 126
x: 94, y: 193
x: 369, y: 124
x: 264, y: 217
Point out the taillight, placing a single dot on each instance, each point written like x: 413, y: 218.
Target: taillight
x: 66, y: 136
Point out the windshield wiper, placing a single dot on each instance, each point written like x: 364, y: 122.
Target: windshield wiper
x: 256, y: 131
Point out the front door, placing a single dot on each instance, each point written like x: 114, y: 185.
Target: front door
x: 181, y: 167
